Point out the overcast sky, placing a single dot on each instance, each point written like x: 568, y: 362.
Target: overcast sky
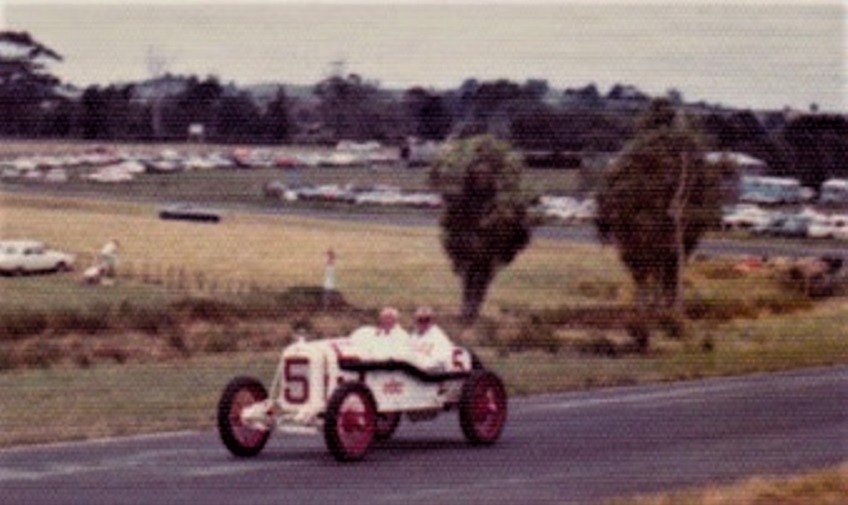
x: 744, y: 53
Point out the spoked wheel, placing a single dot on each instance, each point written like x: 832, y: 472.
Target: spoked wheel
x: 241, y: 439
x: 386, y: 425
x: 350, y: 423
x: 482, y: 408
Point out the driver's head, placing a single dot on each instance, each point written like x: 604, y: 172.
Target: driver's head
x: 424, y: 317
x: 388, y: 318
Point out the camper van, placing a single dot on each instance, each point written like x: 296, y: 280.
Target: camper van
x: 770, y: 190
x: 834, y: 192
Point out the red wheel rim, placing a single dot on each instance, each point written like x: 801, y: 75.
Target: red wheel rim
x: 247, y: 436
x: 488, y: 409
x: 355, y: 424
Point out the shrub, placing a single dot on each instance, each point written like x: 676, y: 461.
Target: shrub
x: 40, y: 353
x: 221, y: 340
x: 7, y: 361
x: 147, y: 319
x: 92, y: 320
x: 207, y: 309
x: 18, y: 324
x: 597, y: 344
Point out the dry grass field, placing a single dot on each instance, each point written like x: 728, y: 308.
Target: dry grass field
x: 377, y: 264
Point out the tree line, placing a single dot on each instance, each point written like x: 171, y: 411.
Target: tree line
x: 532, y: 116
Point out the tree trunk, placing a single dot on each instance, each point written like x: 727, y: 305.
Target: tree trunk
x: 640, y: 329
x: 475, y: 283
x: 677, y: 213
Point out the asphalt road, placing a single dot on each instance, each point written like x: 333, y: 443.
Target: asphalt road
x: 568, y: 448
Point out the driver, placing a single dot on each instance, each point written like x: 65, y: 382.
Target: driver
x: 430, y: 344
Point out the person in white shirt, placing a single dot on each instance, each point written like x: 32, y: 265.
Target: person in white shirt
x: 109, y: 257
x: 431, y: 346
x: 387, y: 340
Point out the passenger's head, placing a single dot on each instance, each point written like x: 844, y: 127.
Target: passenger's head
x: 424, y: 317
x: 388, y: 318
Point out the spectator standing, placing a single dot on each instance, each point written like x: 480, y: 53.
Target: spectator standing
x: 330, y: 285
x: 109, y: 258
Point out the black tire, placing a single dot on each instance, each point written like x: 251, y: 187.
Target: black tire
x: 241, y: 440
x: 350, y: 423
x: 386, y: 425
x: 482, y: 408
x: 63, y: 267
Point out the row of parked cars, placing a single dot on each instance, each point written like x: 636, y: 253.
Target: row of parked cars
x: 806, y: 223
x: 378, y: 194
x: 113, y: 166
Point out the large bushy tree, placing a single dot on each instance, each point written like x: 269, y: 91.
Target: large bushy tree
x: 657, y: 200
x: 485, y: 222
x: 25, y: 82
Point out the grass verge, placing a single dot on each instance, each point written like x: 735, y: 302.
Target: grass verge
x: 824, y: 487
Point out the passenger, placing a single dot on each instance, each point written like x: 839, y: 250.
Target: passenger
x: 432, y: 347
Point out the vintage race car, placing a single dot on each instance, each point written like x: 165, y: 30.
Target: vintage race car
x: 356, y: 394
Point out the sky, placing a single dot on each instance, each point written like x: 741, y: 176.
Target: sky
x: 742, y: 53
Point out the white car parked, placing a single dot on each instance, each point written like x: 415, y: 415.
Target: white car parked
x: 746, y: 216
x: 18, y: 257
x: 835, y: 226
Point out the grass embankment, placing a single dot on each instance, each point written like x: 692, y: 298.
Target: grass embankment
x: 197, y: 304
x: 825, y: 487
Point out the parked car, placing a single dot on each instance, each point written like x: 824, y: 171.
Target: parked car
x: 785, y: 225
x: 18, y: 257
x: 828, y: 226
x: 745, y: 216
x: 189, y: 212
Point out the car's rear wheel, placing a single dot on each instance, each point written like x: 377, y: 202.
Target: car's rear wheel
x: 241, y: 439
x: 482, y: 407
x: 386, y: 425
x: 350, y: 423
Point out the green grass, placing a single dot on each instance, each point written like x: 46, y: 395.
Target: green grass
x: 110, y: 400
x: 66, y: 292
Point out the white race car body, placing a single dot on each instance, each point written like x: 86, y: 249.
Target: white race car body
x: 315, y: 381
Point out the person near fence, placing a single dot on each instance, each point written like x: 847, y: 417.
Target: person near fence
x: 109, y: 258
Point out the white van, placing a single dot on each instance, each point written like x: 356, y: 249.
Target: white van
x: 834, y: 191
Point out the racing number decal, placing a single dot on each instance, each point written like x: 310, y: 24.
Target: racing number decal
x: 296, y: 376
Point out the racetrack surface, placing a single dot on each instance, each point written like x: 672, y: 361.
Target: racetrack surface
x: 565, y: 448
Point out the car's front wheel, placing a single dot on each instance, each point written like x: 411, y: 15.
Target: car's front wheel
x: 241, y: 439
x: 482, y: 407
x: 350, y: 423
